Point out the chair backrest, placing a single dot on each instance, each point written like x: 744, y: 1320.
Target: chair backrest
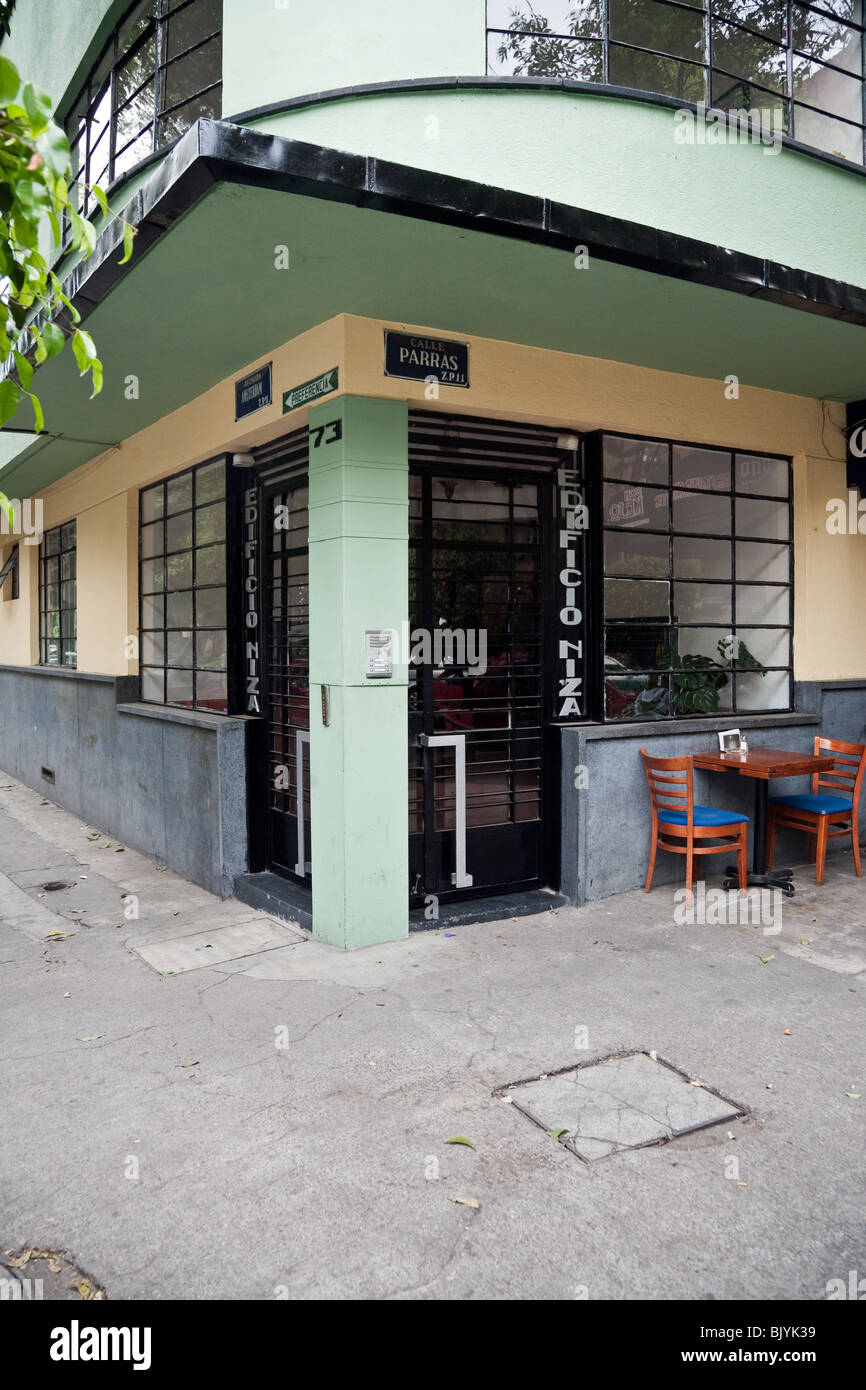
x: 670, y: 782
x: 847, y: 774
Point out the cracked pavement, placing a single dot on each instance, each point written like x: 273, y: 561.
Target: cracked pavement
x: 275, y: 1125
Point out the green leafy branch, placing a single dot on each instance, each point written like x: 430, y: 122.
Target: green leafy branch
x: 35, y: 178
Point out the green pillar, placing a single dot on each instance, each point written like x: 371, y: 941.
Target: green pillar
x: 359, y: 581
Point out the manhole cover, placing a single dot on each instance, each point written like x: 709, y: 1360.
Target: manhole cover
x: 623, y: 1102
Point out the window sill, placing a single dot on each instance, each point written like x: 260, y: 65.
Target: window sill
x: 172, y: 714
x: 653, y: 728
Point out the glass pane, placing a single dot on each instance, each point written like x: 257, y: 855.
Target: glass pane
x: 528, y: 55
x: 178, y: 532
x: 185, y: 77
x: 172, y: 126
x: 210, y: 483
x: 67, y: 564
x: 210, y: 649
x: 829, y: 135
x: 210, y: 524
x: 52, y: 596
x: 210, y: 565
x: 626, y: 599
x: 629, y: 553
x: 153, y: 611
x: 67, y: 536
x: 766, y: 17
x: 549, y: 17
x: 826, y: 38
x: 152, y: 503
x: 662, y: 28
x: 178, y: 687
x: 702, y: 511
x: 755, y: 114
x: 768, y: 691
x: 152, y: 576
x: 179, y: 649
x: 648, y: 73
x: 52, y: 570
x: 178, y: 612
x: 769, y: 646
x: 152, y: 685
x: 702, y: 603
x: 130, y: 151
x: 151, y: 540
x: 67, y: 593
x: 769, y: 520
x: 744, y: 55
x: 179, y: 568
x: 67, y: 624
x: 52, y: 542
x: 635, y: 460
x: 179, y: 493
x: 771, y: 563
x: 696, y: 558
x: 829, y: 90
x: 701, y: 468
x: 638, y: 648
x: 152, y: 648
x: 758, y: 603
x: 767, y: 475
x: 624, y: 504
x: 212, y: 691
x: 191, y: 24
x: 637, y: 697
x: 210, y: 607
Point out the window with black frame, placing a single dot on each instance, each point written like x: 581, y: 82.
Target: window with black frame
x: 183, y: 656
x: 58, y: 632
x: 158, y: 72
x: 697, y: 580
x: 800, y: 67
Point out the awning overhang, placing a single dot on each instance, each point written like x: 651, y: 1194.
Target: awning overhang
x: 202, y: 296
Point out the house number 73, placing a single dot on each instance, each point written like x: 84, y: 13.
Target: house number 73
x: 327, y: 434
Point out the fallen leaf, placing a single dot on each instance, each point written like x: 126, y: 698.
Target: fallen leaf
x: 59, y: 935
x: 460, y: 1139
x: 853, y: 1095
x: 509, y: 1100
x: 189, y: 1064
x: 472, y: 1202
x: 20, y: 1261
x: 84, y: 1288
x: 67, y: 995
x: 92, y: 1037
x: 765, y: 960
x: 805, y: 941
x: 742, y: 1184
x: 556, y: 1133
x: 787, y: 1032
x: 54, y: 1266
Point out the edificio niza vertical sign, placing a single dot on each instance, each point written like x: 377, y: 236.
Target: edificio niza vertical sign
x: 252, y: 634
x: 573, y: 521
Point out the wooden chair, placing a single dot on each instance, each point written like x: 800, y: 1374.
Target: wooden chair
x: 678, y: 824
x: 816, y: 811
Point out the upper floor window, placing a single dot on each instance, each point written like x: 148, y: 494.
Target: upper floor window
x: 58, y: 633
x: 799, y: 68
x: 160, y: 70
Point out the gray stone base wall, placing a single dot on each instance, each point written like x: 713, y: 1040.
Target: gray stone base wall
x: 606, y: 825
x: 167, y: 782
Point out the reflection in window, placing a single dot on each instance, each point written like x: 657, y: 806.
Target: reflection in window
x: 159, y: 71
x: 58, y: 632
x: 183, y: 591
x: 697, y: 589
x: 800, y: 65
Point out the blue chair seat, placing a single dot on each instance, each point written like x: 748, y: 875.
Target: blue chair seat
x: 703, y: 815
x: 819, y: 803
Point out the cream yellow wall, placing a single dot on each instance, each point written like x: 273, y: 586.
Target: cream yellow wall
x: 19, y: 618
x: 509, y: 381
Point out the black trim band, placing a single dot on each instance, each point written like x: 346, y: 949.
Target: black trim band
x: 216, y: 151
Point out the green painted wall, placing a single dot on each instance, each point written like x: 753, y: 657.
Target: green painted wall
x: 616, y: 157
x: 275, y: 49
x: 359, y: 580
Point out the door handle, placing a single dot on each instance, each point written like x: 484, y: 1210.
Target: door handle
x: 460, y: 879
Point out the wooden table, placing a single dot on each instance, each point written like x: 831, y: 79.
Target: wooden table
x: 761, y: 764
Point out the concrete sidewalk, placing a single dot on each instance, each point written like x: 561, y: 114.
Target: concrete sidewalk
x: 188, y: 1121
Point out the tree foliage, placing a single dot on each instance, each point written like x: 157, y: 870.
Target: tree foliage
x: 36, y: 316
